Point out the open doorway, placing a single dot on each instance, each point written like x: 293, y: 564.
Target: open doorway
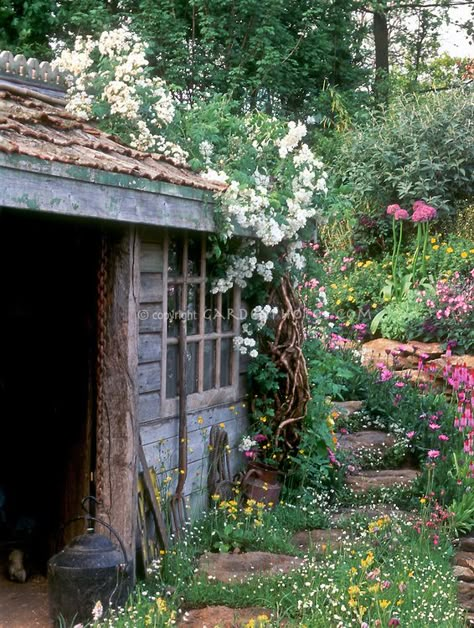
x: 48, y: 270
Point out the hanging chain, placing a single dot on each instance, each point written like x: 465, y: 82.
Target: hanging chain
x: 102, y: 277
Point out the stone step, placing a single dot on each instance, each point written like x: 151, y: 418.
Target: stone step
x: 347, y: 408
x: 398, y: 355
x: 225, y: 617
x: 239, y: 567
x: 383, y: 478
x: 371, y: 513
x: 358, y: 442
x: 321, y: 541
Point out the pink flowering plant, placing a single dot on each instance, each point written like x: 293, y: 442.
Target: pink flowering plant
x: 450, y: 311
x: 423, y: 215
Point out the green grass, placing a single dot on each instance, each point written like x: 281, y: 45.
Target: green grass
x: 389, y: 572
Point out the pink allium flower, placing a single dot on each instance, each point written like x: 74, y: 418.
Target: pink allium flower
x: 434, y: 426
x: 433, y: 453
x: 423, y: 212
x: 443, y: 437
x: 410, y: 434
x: 391, y: 209
x: 401, y: 214
x: 399, y: 384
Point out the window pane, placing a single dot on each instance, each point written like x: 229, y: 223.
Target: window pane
x: 227, y: 311
x: 174, y: 306
x: 172, y: 372
x: 226, y: 361
x: 175, y: 256
x: 192, y: 367
x: 194, y: 257
x: 192, y: 310
x: 209, y: 375
x: 210, y: 318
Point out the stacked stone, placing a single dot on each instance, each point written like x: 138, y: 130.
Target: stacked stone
x: 464, y: 572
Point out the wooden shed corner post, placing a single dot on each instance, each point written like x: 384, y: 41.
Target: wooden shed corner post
x: 117, y: 431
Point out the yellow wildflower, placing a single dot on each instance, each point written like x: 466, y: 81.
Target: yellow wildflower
x: 161, y: 604
x: 464, y: 254
x: 384, y: 603
x: 368, y: 560
x: 450, y: 249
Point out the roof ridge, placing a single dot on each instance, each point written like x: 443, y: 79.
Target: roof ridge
x: 31, y: 70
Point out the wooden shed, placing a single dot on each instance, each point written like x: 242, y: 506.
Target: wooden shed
x: 101, y: 246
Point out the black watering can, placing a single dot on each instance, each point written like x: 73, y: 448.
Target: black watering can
x: 90, y: 569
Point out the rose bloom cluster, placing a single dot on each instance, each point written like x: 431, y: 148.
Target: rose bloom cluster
x: 112, y: 72
x: 251, y: 208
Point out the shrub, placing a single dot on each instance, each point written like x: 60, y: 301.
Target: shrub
x: 421, y: 148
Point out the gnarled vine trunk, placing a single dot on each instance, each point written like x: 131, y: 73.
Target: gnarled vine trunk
x: 286, y: 352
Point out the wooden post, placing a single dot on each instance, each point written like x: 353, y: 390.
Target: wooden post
x: 117, y: 430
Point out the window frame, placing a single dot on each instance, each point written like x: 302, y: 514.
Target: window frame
x: 218, y: 394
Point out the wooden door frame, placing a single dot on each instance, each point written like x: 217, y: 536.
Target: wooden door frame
x: 117, y: 432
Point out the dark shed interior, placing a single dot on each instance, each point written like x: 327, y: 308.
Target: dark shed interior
x: 48, y: 278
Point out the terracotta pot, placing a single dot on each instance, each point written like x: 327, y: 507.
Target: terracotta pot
x: 261, y: 483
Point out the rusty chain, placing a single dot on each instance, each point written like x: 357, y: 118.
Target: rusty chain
x: 102, y: 277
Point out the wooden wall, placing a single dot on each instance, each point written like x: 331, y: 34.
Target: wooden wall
x: 160, y: 435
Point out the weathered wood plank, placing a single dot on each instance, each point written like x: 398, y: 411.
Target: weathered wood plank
x: 101, y: 177
x: 30, y: 190
x: 150, y: 318
x: 149, y: 407
x: 203, y: 419
x: 149, y: 348
x: 151, y: 287
x: 164, y: 453
x: 151, y: 257
x: 149, y: 377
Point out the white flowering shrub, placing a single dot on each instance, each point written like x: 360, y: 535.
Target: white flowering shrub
x: 109, y: 80
x: 283, y: 192
x: 275, y: 183
x: 259, y: 316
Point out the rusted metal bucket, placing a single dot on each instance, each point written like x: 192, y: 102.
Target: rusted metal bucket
x: 261, y: 483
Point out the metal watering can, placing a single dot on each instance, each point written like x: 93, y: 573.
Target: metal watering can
x: 88, y: 570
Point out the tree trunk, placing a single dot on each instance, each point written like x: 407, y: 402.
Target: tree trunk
x: 380, y: 29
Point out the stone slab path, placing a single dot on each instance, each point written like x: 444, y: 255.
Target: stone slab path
x: 358, y: 442
x: 321, y: 541
x: 224, y: 617
x: 239, y: 567
x: 383, y: 478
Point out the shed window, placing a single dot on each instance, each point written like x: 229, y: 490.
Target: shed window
x: 212, y: 322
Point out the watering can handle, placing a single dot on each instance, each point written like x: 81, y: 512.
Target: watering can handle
x: 89, y: 517
x: 248, y: 475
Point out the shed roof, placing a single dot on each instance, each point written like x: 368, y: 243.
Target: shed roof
x: 34, y: 128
